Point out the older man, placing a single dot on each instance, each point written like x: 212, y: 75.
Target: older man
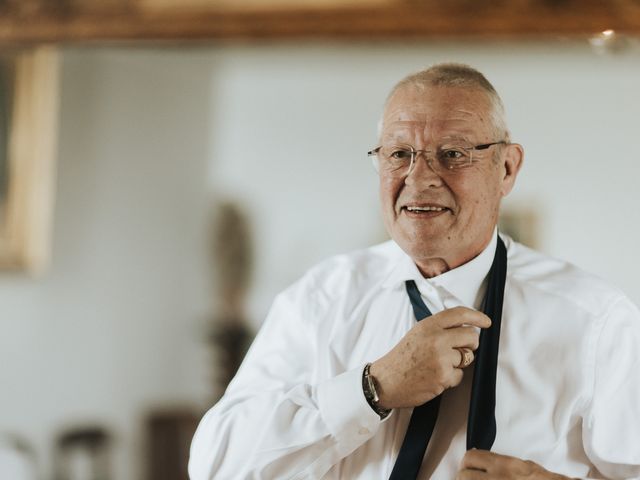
x: 448, y: 352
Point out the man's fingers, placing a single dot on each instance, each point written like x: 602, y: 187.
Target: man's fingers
x: 477, y: 459
x: 473, y: 475
x: 498, y: 465
x: 455, y: 378
x: 464, y: 337
x: 459, y: 316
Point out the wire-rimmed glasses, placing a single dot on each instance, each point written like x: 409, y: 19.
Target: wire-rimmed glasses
x: 399, y: 160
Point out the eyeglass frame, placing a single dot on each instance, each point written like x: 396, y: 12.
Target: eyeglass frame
x: 414, y: 155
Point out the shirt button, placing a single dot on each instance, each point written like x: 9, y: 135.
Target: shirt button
x: 364, y: 431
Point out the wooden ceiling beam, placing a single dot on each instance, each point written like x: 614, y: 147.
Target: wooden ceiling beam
x: 457, y: 19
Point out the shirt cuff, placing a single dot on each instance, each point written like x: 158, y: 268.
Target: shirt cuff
x: 345, y: 410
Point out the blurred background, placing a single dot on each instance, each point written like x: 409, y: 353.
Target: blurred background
x: 192, y: 181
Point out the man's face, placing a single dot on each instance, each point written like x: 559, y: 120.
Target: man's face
x: 469, y: 198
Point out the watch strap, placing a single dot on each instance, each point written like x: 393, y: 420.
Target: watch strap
x: 371, y: 393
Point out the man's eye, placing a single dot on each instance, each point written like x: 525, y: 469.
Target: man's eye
x: 401, y: 154
x: 453, y: 154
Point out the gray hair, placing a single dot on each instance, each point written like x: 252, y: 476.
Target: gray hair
x: 457, y: 75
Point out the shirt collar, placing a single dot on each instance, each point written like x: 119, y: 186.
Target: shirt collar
x: 463, y: 282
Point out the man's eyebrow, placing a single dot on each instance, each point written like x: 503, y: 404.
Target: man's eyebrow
x: 396, y: 138
x: 455, y: 138
x: 398, y: 131
x: 401, y: 136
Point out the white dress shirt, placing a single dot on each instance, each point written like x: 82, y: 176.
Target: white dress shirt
x: 568, y: 387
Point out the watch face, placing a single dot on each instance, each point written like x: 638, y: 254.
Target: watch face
x: 366, y: 385
x: 372, y: 389
x: 370, y: 393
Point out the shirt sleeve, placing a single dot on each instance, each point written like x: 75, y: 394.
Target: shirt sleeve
x: 611, y: 428
x: 279, y: 418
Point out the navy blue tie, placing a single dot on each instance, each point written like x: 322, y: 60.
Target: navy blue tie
x: 481, y: 427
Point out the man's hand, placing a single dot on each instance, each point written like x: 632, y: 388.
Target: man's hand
x: 424, y: 363
x: 484, y: 465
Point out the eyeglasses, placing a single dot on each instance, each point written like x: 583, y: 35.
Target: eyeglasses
x: 399, y: 160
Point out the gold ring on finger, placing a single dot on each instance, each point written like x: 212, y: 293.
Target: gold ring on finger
x: 466, y: 357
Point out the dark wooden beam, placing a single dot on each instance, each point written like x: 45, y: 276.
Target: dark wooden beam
x: 122, y: 21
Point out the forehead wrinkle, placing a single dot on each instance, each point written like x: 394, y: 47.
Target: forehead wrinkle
x: 416, y: 132
x: 437, y: 112
x: 403, y: 116
x: 403, y: 132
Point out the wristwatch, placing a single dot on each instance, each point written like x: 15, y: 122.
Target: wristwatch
x: 371, y: 394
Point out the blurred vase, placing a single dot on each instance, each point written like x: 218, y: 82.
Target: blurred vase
x: 16, y: 460
x: 83, y: 454
x: 232, y: 249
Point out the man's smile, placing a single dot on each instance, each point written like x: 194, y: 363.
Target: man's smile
x: 424, y: 210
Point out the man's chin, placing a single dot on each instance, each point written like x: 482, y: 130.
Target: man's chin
x: 425, y: 250
x: 432, y: 267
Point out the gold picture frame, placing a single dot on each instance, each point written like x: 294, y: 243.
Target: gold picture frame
x: 28, y: 132
x: 25, y: 22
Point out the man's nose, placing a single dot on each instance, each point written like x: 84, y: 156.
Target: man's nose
x: 423, y: 169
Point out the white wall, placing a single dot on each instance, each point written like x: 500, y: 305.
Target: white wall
x: 292, y: 125
x: 148, y: 137
x: 112, y: 329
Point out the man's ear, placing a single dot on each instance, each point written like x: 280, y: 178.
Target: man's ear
x: 512, y: 161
